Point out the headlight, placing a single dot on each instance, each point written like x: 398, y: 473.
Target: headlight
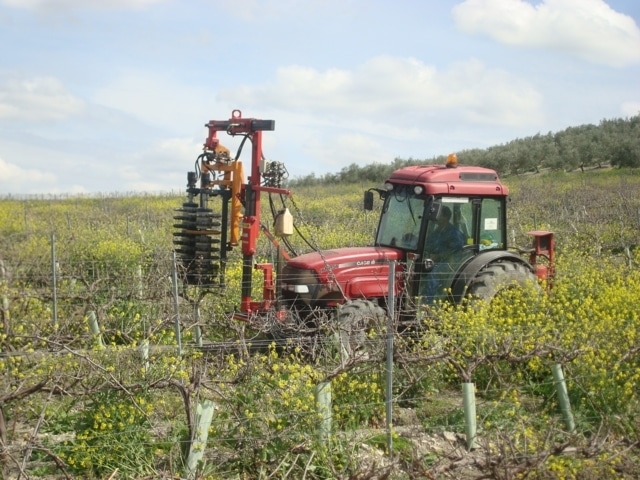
x: 295, y: 288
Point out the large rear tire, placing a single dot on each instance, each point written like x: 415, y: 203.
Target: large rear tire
x: 499, y: 276
x: 357, y: 324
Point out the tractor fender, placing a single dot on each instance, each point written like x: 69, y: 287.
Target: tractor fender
x: 468, y: 271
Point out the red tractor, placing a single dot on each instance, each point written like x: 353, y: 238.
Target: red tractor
x: 462, y: 206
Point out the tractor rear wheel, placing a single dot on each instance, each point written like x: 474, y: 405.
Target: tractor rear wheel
x: 500, y: 276
x: 357, y: 323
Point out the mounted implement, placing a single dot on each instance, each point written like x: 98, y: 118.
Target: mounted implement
x: 203, y: 237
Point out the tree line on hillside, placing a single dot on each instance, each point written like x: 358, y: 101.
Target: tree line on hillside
x: 613, y: 143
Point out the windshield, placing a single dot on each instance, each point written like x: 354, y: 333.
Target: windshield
x: 401, y: 219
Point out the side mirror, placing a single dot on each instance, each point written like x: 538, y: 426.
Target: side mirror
x: 434, y: 211
x: 368, y: 200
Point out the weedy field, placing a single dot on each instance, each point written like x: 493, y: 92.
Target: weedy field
x: 101, y: 377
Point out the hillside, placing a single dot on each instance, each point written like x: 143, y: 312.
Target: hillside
x: 614, y: 143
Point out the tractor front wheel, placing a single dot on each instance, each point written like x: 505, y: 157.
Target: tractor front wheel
x: 357, y: 325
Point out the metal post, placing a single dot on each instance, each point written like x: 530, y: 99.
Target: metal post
x: 389, y: 364
x: 176, y: 306
x: 54, y: 279
x: 144, y: 354
x: 5, y: 298
x: 26, y: 218
x: 197, y: 331
x: 139, y: 282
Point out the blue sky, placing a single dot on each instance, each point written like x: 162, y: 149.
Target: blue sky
x: 105, y: 96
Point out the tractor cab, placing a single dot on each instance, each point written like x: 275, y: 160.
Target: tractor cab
x: 419, y: 226
x: 441, y: 221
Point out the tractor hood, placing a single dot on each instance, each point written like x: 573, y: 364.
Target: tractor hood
x: 345, y: 258
x: 360, y: 272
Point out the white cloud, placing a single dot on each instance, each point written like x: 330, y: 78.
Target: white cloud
x: 45, y: 6
x: 158, y: 99
x: 630, y: 109
x: 343, y: 150
x: 171, y: 159
x: 385, y: 108
x: 587, y: 29
x: 261, y: 10
x: 15, y: 179
x: 398, y: 90
x: 39, y: 99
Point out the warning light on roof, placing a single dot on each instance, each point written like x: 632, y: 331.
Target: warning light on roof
x: 452, y: 160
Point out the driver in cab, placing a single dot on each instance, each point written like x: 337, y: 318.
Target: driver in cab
x: 441, y: 244
x: 445, y: 239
